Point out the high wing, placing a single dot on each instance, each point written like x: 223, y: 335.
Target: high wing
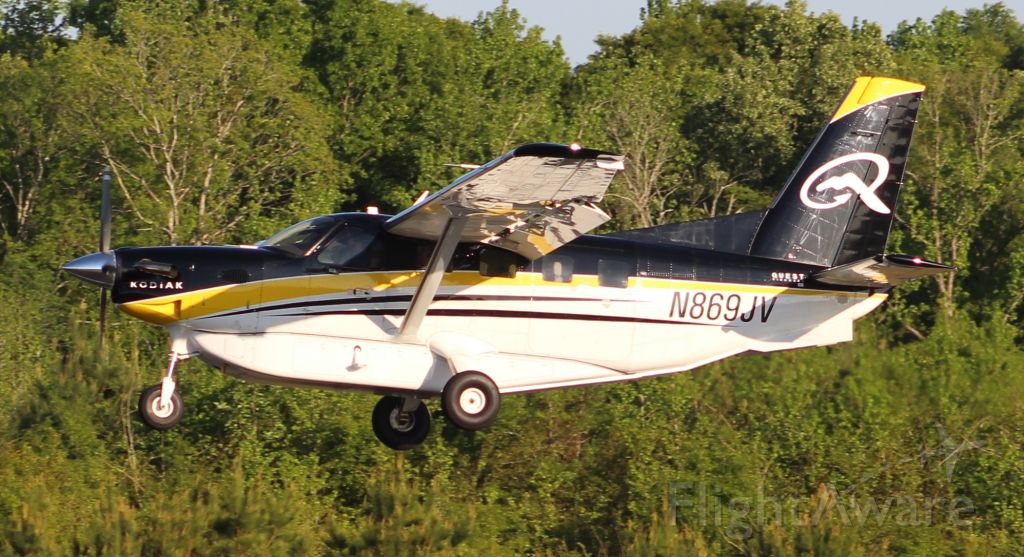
x: 530, y: 200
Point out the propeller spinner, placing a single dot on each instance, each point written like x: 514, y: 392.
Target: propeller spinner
x: 96, y: 268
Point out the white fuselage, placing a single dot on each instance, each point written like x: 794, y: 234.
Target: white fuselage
x: 527, y: 334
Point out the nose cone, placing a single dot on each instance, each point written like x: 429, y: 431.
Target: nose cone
x: 97, y: 268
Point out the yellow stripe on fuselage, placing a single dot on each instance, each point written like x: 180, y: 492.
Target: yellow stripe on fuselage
x: 164, y: 310
x: 677, y: 284
x: 869, y: 90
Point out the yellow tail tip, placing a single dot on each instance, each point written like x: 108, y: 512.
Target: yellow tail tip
x: 868, y: 90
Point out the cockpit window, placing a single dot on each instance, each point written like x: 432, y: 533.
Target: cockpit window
x: 298, y: 239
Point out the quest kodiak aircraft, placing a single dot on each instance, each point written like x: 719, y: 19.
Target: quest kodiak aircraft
x: 491, y: 287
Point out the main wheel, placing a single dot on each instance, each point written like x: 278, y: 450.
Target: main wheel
x: 397, y: 429
x: 471, y: 400
x: 160, y: 417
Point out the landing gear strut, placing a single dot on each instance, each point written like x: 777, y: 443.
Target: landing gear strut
x: 401, y: 423
x: 160, y: 405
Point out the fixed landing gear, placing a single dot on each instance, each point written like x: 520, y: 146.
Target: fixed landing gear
x: 471, y: 400
x: 401, y: 423
x: 157, y: 415
x: 160, y: 405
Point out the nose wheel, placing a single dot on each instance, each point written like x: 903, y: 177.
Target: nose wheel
x: 160, y: 405
x: 401, y: 423
x: 157, y: 415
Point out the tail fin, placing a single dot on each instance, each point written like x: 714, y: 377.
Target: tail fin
x: 838, y: 205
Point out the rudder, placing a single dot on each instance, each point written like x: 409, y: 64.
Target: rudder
x: 838, y: 206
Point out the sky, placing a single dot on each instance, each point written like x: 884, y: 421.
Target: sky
x: 579, y: 22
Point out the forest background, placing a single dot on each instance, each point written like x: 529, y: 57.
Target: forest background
x: 224, y: 121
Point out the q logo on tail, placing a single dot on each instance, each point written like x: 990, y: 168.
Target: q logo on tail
x: 848, y: 182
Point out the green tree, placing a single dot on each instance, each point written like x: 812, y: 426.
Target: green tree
x: 967, y: 152
x: 399, y: 517
x: 207, y: 135
x: 633, y: 111
x: 749, y: 85
x: 413, y: 92
x: 31, y: 28
x: 34, y: 144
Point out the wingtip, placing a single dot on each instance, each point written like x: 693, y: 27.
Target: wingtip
x: 557, y: 150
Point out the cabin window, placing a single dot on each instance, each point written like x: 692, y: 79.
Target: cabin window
x: 403, y: 254
x: 611, y: 272
x: 557, y: 268
x: 348, y: 248
x: 498, y: 263
x: 466, y: 258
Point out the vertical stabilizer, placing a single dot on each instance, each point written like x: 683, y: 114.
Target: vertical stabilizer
x: 838, y: 205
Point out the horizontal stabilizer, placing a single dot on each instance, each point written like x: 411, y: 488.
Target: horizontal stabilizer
x: 881, y: 271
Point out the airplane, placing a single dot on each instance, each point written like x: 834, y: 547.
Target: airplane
x: 492, y: 286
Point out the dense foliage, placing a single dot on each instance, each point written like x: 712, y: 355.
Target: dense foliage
x: 223, y: 121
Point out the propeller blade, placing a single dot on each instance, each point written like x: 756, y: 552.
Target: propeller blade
x: 105, y: 211
x: 103, y: 315
x: 104, y: 244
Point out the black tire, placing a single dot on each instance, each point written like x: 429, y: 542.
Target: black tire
x: 471, y: 400
x: 397, y: 431
x: 153, y: 415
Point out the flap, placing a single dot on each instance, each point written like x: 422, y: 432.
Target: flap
x: 531, y: 200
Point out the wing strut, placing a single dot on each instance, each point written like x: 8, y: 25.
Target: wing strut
x: 439, y: 261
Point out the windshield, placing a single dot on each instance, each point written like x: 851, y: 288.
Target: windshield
x: 297, y: 239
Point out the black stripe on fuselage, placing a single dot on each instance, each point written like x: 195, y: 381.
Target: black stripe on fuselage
x: 406, y: 299
x: 501, y: 313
